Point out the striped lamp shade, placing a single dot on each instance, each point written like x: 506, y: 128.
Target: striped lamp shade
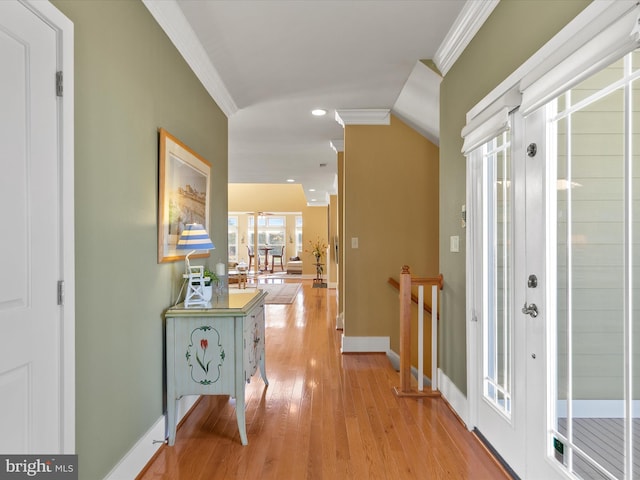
x: 194, y: 237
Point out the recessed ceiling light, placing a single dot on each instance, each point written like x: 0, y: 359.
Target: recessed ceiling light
x: 318, y: 112
x: 290, y: 180
x: 312, y: 189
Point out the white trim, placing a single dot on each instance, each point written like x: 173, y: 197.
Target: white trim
x: 135, y: 459
x: 592, y: 20
x: 479, y: 133
x: 472, y: 16
x: 473, y: 286
x: 394, y: 359
x: 337, y: 145
x: 146, y: 447
x: 454, y: 397
x: 171, y: 19
x: 363, y: 116
x: 65, y: 39
x: 365, y: 344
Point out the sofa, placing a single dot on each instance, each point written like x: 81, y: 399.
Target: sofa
x: 294, y: 266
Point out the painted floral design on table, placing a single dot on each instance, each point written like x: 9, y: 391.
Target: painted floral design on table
x: 205, y: 346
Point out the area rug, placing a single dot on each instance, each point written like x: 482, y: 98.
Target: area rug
x: 280, y: 292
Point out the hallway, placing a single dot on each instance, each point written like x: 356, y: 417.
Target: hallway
x: 324, y: 416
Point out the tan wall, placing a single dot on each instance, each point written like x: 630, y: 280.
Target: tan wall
x: 391, y: 206
x: 341, y: 237
x: 333, y: 239
x: 273, y: 198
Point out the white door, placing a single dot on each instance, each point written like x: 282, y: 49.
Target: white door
x: 30, y: 258
x: 497, y: 198
x: 508, y: 315
x: 538, y: 364
x: 588, y: 244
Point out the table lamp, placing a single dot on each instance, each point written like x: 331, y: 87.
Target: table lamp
x: 194, y: 237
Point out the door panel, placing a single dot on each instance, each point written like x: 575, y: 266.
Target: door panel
x: 500, y: 330
x: 30, y: 318
x: 593, y: 222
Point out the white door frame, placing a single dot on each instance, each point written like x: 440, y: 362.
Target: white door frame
x: 65, y: 37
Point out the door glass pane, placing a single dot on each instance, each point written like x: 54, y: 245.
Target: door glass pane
x: 634, y: 103
x: 591, y: 295
x: 499, y: 265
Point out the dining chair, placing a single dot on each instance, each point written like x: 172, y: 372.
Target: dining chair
x: 251, y: 255
x: 277, y: 254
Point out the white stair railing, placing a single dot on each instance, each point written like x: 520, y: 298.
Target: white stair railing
x: 405, y: 284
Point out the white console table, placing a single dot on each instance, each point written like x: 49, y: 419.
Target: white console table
x: 215, y: 351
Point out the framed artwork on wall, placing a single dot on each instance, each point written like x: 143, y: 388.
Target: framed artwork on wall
x: 183, y: 196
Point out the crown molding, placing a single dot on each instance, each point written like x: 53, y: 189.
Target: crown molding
x: 471, y: 18
x: 171, y: 19
x: 365, y: 116
x: 337, y: 145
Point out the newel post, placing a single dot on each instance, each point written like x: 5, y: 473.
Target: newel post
x: 405, y: 329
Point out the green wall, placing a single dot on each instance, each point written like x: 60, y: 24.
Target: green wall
x: 129, y: 81
x: 515, y: 30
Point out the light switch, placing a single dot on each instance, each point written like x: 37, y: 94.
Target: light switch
x: 454, y: 243
x: 354, y: 242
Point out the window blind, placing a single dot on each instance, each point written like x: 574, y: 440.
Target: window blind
x: 616, y: 39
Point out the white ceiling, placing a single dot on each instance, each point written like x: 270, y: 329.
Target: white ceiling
x: 268, y: 63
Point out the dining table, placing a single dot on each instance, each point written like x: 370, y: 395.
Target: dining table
x: 266, y: 249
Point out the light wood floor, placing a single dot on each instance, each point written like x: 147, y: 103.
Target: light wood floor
x: 324, y: 415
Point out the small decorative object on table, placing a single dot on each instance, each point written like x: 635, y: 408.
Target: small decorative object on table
x: 318, y: 250
x: 194, y: 237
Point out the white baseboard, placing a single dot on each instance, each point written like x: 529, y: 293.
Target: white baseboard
x: 394, y: 358
x: 135, y: 459
x: 449, y: 391
x: 365, y: 344
x: 454, y: 397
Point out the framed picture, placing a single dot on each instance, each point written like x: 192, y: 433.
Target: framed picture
x: 183, y: 195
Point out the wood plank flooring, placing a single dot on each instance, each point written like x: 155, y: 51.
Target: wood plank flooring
x: 324, y: 415
x: 603, y: 440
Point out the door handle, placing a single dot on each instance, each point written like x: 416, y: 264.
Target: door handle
x: 531, y: 310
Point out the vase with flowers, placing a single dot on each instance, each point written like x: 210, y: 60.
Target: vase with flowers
x: 318, y: 249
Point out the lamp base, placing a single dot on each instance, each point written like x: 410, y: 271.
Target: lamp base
x: 196, y: 296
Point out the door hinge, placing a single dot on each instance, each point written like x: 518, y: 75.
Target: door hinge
x: 60, y: 292
x: 59, y: 87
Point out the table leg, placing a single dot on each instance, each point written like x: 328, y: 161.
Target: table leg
x: 240, y: 414
x: 263, y: 370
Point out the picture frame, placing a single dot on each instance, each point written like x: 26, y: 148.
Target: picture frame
x: 183, y: 194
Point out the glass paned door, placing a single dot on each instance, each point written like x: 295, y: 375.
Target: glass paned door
x: 496, y: 228
x: 593, y: 163
x: 498, y: 327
